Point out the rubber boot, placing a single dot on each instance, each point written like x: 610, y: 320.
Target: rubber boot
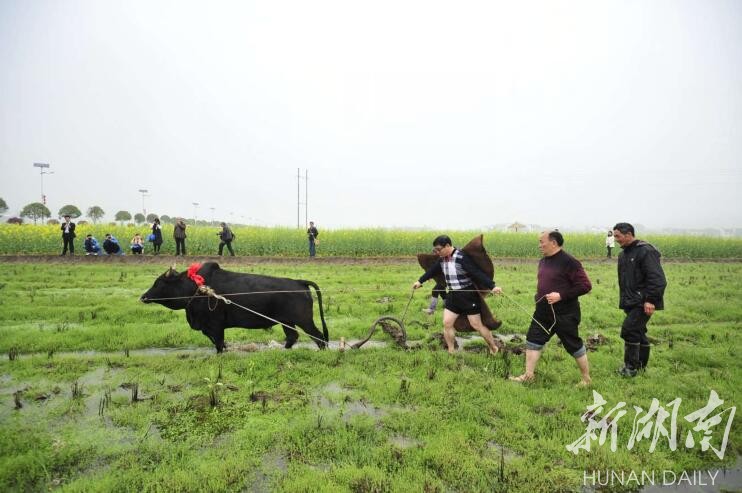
x: 433, y: 303
x: 631, y: 357
x: 644, y: 355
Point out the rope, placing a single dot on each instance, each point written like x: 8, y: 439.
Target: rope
x: 211, y: 293
x: 548, y: 331
x: 290, y: 291
x: 404, y: 314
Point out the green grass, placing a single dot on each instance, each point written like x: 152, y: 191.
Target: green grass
x: 305, y: 420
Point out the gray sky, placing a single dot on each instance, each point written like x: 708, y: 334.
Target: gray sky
x: 443, y: 114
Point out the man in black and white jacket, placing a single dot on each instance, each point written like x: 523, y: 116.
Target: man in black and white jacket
x: 462, y: 298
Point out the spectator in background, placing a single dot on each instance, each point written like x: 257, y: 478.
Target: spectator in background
x: 226, y: 236
x: 609, y: 243
x: 68, y: 235
x: 91, y: 245
x: 157, y: 232
x: 111, y: 245
x: 312, y: 235
x: 179, y: 234
x: 137, y: 244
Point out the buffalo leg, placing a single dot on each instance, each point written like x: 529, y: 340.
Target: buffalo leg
x: 291, y: 336
x: 216, y: 336
x: 312, y: 331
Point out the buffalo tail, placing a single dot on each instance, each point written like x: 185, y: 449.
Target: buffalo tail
x: 321, y: 310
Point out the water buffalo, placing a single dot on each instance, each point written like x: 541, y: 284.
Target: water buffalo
x: 288, y: 301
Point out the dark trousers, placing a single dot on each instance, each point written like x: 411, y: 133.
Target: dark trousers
x: 634, y: 328
x: 157, y: 247
x: 180, y: 246
x: 69, y: 242
x: 229, y: 246
x: 568, y: 316
x: 609, y: 251
x: 312, y: 249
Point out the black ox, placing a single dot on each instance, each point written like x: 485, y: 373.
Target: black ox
x: 289, y: 301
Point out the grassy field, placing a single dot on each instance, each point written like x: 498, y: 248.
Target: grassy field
x: 100, y: 410
x: 291, y: 242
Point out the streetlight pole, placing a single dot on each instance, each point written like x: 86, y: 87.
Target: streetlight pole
x: 144, y: 192
x: 195, y: 213
x: 212, y: 213
x: 42, y: 167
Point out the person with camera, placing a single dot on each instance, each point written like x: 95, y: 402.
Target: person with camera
x: 226, y: 236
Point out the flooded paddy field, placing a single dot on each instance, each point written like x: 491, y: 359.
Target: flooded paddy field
x: 99, y: 392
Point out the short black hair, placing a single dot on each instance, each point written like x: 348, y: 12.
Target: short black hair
x: 442, y: 240
x: 624, y: 228
x: 556, y: 236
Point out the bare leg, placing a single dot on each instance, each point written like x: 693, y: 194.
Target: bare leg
x: 476, y: 322
x: 449, y: 333
x: 584, y: 369
x: 532, y: 357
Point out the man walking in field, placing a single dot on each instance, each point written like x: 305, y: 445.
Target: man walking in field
x: 561, y: 281
x: 460, y: 272
x: 641, y: 283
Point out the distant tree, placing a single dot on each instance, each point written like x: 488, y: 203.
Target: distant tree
x: 73, y: 211
x: 139, y: 217
x: 3, y: 207
x: 516, y: 226
x: 95, y: 213
x: 81, y: 222
x: 123, y: 216
x: 52, y: 221
x: 14, y: 220
x: 165, y: 219
x: 36, y: 211
x: 151, y: 218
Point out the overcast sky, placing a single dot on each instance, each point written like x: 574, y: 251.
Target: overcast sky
x: 406, y: 114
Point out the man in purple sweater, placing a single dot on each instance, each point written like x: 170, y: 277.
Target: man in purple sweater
x: 561, y: 280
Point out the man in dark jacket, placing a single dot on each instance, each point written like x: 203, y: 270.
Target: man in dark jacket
x: 460, y: 273
x: 561, y: 281
x: 312, y: 234
x: 68, y: 235
x: 641, y: 283
x: 111, y: 245
x: 226, y: 236
x: 179, y: 234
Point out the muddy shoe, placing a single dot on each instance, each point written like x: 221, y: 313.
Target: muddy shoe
x: 627, y: 372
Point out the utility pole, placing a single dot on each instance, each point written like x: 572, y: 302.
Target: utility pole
x: 298, y: 199
x: 212, y: 214
x: 42, y: 167
x: 299, y: 203
x: 195, y: 212
x: 144, y: 193
x: 306, y: 198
